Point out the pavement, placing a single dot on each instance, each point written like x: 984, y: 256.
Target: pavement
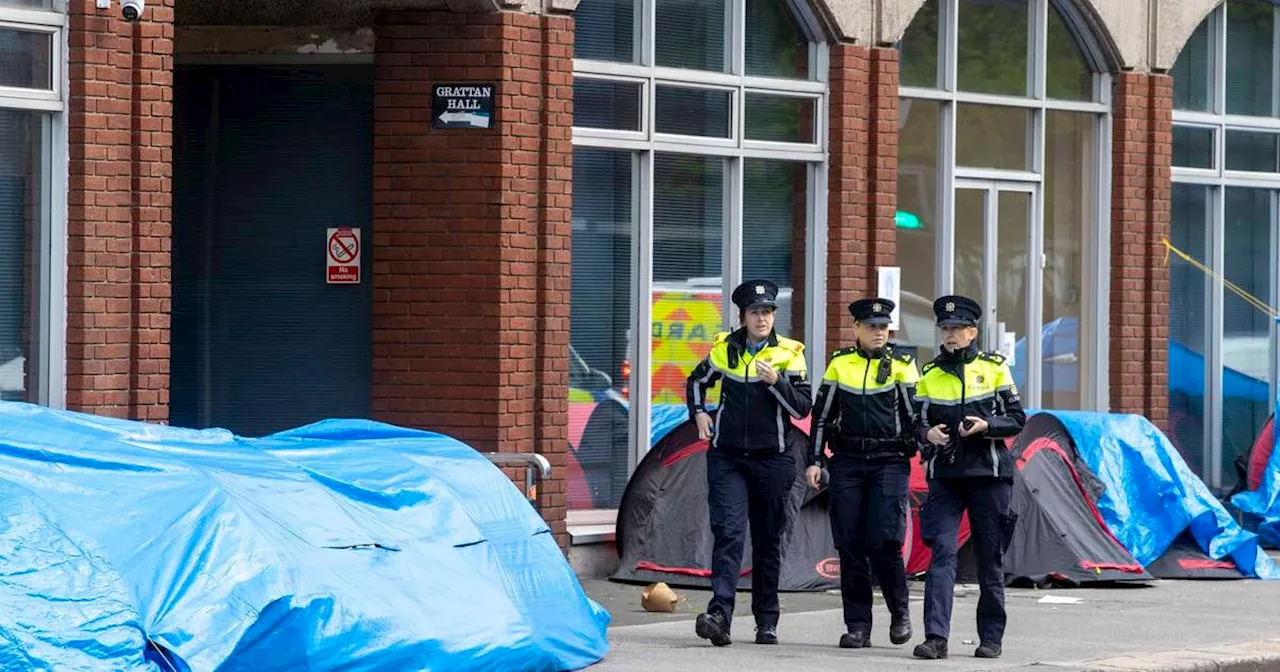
x: 1165, y: 625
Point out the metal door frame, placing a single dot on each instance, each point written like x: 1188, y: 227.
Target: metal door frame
x: 1035, y: 270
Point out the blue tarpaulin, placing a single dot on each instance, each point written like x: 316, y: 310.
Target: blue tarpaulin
x: 1265, y: 501
x: 352, y: 545
x: 1152, y: 496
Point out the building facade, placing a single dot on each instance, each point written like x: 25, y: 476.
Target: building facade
x: 255, y: 215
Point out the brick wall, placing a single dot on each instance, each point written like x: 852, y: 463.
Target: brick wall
x: 863, y: 189
x: 471, y: 247
x: 1142, y: 149
x: 118, y: 219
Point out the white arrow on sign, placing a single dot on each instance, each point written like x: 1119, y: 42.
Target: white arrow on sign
x: 477, y: 120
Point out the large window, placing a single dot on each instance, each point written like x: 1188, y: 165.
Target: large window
x: 32, y: 188
x: 1222, y: 349
x: 1002, y: 190
x: 698, y: 162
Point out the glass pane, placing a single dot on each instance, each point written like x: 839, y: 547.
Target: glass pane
x: 1246, y: 330
x: 1191, y: 72
x: 605, y: 30
x: 993, y: 137
x: 21, y: 156
x: 1250, y: 48
x: 1193, y: 147
x: 1188, y: 319
x: 971, y: 223
x: 919, y: 225
x: 779, y: 118
x: 599, y: 321
x: 603, y: 103
x: 776, y: 44
x: 1068, y: 212
x: 691, y: 34
x: 992, y: 46
x: 1251, y: 150
x: 920, y: 49
x: 702, y: 112
x: 25, y: 59
x: 1067, y: 75
x: 25, y: 3
x: 774, y: 215
x: 688, y: 235
x: 1012, y: 227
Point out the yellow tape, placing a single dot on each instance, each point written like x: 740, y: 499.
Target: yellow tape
x: 1235, y: 289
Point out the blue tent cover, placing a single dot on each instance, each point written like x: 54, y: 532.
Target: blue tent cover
x: 353, y: 545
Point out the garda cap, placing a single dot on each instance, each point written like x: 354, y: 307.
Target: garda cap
x: 754, y: 293
x: 956, y: 309
x: 872, y: 311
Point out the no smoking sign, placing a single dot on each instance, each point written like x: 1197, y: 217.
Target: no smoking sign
x: 343, y: 256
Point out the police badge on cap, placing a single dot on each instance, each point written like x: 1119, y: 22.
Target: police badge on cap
x: 754, y: 293
x: 872, y: 311
x: 956, y: 309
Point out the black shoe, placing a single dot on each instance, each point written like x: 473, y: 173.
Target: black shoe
x: 712, y: 626
x: 932, y: 648
x: 900, y: 630
x: 855, y: 640
x: 987, y: 650
x: 766, y: 634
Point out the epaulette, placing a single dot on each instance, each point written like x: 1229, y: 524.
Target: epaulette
x: 904, y: 357
x: 791, y: 344
x: 993, y: 357
x: 928, y: 367
x: 720, y: 337
x: 844, y: 351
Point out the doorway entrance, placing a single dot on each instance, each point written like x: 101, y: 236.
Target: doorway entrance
x: 267, y: 159
x: 997, y: 261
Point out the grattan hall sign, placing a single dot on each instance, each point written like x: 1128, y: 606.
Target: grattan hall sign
x: 462, y: 106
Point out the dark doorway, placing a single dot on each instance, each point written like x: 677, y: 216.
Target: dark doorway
x: 266, y: 160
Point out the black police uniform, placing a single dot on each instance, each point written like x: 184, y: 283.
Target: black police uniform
x: 865, y: 412
x: 973, y: 473
x: 750, y: 470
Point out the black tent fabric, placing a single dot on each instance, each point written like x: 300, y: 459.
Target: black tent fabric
x: 1185, y: 560
x: 663, y: 531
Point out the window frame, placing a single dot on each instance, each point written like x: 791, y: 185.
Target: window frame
x: 47, y: 381
x: 646, y: 142
x: 1094, y: 378
x: 1217, y: 179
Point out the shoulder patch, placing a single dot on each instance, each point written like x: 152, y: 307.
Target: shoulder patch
x: 993, y: 357
x: 790, y: 344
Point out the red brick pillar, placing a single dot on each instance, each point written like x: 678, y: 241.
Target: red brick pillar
x: 471, y: 229
x: 118, y: 210
x: 863, y: 192
x: 1141, y: 184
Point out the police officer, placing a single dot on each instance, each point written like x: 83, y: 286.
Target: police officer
x: 750, y: 470
x: 866, y: 413
x: 968, y: 406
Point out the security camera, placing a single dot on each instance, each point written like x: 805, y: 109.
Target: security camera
x: 132, y: 9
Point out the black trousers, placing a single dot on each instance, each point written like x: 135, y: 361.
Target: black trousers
x: 991, y: 525
x: 868, y: 523
x: 741, y: 488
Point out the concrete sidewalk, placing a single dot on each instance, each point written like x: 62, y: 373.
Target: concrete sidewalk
x: 1169, y: 625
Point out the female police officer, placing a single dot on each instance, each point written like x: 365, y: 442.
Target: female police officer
x: 968, y: 406
x: 866, y: 412
x: 750, y: 469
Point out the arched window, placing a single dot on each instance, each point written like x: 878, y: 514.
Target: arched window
x: 1002, y: 191
x: 1226, y: 191
x: 699, y: 143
